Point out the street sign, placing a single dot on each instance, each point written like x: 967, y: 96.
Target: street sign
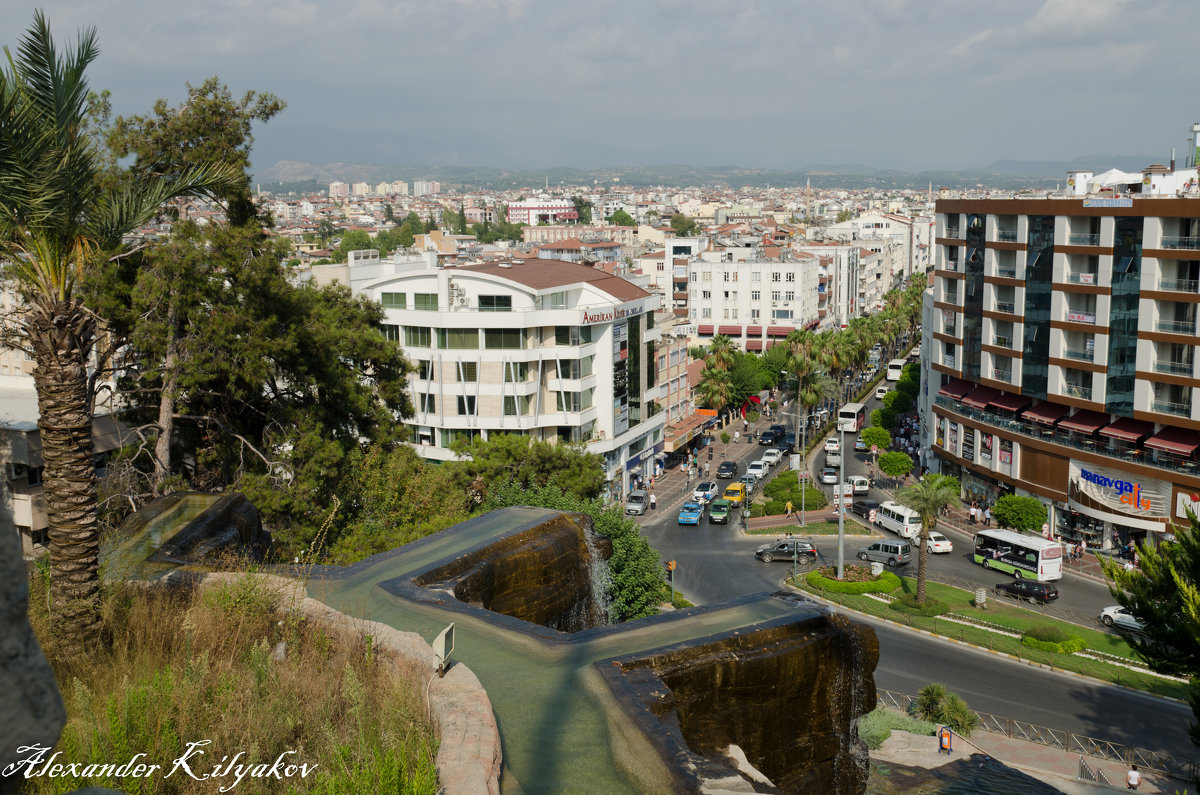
x: 874, y: 448
x: 871, y: 516
x: 796, y: 462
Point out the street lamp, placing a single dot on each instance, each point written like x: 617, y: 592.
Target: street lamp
x: 841, y: 503
x: 801, y: 433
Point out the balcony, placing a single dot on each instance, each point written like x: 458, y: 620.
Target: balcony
x: 1176, y: 242
x: 1081, y: 317
x: 1006, y: 235
x: 952, y: 233
x: 951, y: 330
x: 1002, y: 375
x: 1179, y: 285
x: 1007, y: 307
x: 1002, y: 342
x: 951, y: 298
x: 950, y: 265
x: 1176, y: 326
x: 1081, y: 278
x: 1077, y: 391
x: 1083, y: 240
x: 947, y: 360
x: 1167, y: 407
x: 1174, y: 368
x: 1004, y: 270
x: 1083, y: 354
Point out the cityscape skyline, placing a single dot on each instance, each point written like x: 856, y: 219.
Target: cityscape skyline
x: 528, y: 84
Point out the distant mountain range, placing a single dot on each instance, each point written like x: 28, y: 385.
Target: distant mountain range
x: 294, y: 175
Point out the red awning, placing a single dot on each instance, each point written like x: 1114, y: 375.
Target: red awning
x: 730, y: 331
x: 754, y: 345
x: 1046, y: 413
x: 812, y: 325
x: 1127, y: 429
x: 1085, y: 421
x: 778, y: 331
x: 1009, y: 402
x: 956, y: 388
x: 981, y: 397
x: 705, y: 331
x: 1174, y: 440
x: 753, y: 331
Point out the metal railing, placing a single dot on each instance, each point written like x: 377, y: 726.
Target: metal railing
x: 1002, y: 342
x: 1002, y: 375
x: 1004, y: 270
x: 1085, y: 354
x: 950, y: 265
x: 1071, y: 742
x: 1179, y: 285
x: 1087, y: 774
x: 1167, y: 407
x: 952, y: 233
x: 1082, y: 278
x: 1083, y: 240
x: 1177, y: 326
x: 1080, y: 317
x: 1078, y: 390
x: 1175, y: 241
x: 947, y: 360
x: 1006, y: 307
x: 1006, y: 235
x: 951, y: 298
x: 1177, y: 368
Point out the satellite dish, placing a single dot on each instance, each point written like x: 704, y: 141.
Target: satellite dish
x: 443, y: 645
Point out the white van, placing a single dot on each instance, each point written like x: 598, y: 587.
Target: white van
x: 900, y: 519
x: 859, y: 483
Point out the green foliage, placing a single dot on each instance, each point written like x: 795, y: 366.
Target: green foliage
x: 683, y: 226
x: 895, y: 464
x: 907, y: 603
x: 889, y: 399
x: 353, y: 240
x: 936, y: 704
x: 876, y: 436
x: 725, y: 437
x: 884, y: 583
x: 884, y: 418
x: 1069, y: 646
x: 621, y: 218
x: 843, y: 216
x: 528, y: 463
x: 752, y: 417
x: 1050, y: 633
x: 584, y: 208
x: 1019, y: 513
x: 877, y: 725
x: 786, y: 486
x: 637, y: 576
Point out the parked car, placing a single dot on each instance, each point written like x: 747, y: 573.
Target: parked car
x: 727, y: 470
x: 769, y: 438
x: 759, y: 468
x: 1117, y: 616
x: 860, y: 446
x: 690, y: 513
x: 637, y: 502
x: 879, y: 393
x: 1032, y: 590
x: 864, y: 507
x: 859, y: 484
x: 829, y: 475
x: 892, y: 553
x: 938, y: 543
x: 832, y: 445
x: 801, y: 550
x: 772, y: 456
x: 706, y: 491
x: 735, y: 493
x: 719, y: 510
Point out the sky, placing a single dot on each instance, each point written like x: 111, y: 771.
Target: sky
x: 783, y: 84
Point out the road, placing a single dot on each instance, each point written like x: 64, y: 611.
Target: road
x: 716, y: 562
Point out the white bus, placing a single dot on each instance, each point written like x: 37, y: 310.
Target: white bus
x: 852, y: 417
x: 1020, y: 555
x: 900, y: 519
x: 895, y: 369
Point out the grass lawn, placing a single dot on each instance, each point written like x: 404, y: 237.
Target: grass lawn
x: 1016, y: 619
x: 810, y: 529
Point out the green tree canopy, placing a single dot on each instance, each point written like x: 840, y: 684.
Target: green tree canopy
x: 683, y: 226
x: 875, y: 436
x: 927, y: 497
x: 1019, y: 513
x: 528, y: 462
x: 895, y: 464
x: 583, y: 209
x: 621, y: 218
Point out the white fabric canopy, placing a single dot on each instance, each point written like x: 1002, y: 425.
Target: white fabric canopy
x: 1115, y: 177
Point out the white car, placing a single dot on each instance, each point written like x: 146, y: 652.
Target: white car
x: 1120, y: 617
x: 879, y: 393
x: 772, y: 457
x: 938, y: 543
x: 829, y: 475
x: 832, y: 445
x: 706, y: 491
x: 758, y: 469
x: 859, y: 484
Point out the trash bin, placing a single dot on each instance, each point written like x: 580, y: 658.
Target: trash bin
x: 981, y: 598
x: 876, y: 569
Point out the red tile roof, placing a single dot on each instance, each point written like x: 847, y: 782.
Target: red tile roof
x: 542, y: 274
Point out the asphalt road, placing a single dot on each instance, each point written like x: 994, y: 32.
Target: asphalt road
x: 715, y: 562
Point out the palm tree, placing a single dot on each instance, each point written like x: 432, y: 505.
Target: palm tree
x: 715, y: 388
x: 58, y: 221
x: 928, y: 497
x: 721, y: 352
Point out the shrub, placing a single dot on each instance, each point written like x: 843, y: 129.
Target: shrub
x: 908, y: 604
x: 1071, y: 645
x: 937, y: 704
x: 824, y: 579
x: 877, y: 725
x: 1048, y: 633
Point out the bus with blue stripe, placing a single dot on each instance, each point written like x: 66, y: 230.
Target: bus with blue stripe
x: 1023, y: 556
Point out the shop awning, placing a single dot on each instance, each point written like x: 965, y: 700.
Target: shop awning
x: 1046, y: 413
x: 754, y: 345
x: 705, y: 331
x: 1174, y: 440
x: 1009, y: 402
x: 1127, y: 429
x: 730, y: 331
x: 778, y: 331
x: 753, y: 331
x: 981, y: 397
x: 956, y: 388
x: 1085, y: 421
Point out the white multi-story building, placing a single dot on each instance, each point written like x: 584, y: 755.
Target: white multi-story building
x: 339, y: 190
x: 551, y: 349
x: 422, y: 187
x: 542, y: 210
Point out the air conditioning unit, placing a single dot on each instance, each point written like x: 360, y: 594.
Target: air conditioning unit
x: 461, y: 300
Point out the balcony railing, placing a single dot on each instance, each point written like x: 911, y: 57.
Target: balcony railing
x: 1083, y: 240
x: 1078, y: 391
x: 1174, y: 241
x: 951, y: 298
x: 1036, y: 430
x: 1002, y: 375
x: 950, y: 265
x: 1177, y: 326
x: 1081, y: 317
x: 953, y: 233
x: 1007, y: 307
x: 1175, y: 368
x: 1179, y: 285
x: 951, y: 330
x: 1081, y: 278
x: 947, y: 360
x: 1006, y: 235
x: 1167, y: 407
x: 1002, y: 342
x: 1085, y: 354
x: 1004, y: 270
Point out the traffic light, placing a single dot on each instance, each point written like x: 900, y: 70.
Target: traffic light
x: 670, y: 565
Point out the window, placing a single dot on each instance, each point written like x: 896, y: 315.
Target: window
x: 418, y: 336
x: 390, y: 333
x: 782, y: 314
x: 755, y: 295
x: 706, y: 313
x: 568, y: 368
x: 585, y: 366
x: 424, y: 369
x: 516, y: 371
x: 707, y: 276
x: 791, y: 276
x: 425, y: 301
x: 695, y: 276
x: 755, y: 276
x: 706, y: 294
x: 566, y: 335
x: 775, y: 277
x: 495, y: 303
x: 754, y: 314
x: 568, y: 401
x: 468, y: 372
x: 726, y: 274
x: 394, y: 300
x: 789, y: 296
x: 454, y: 339
x: 775, y: 294
x: 515, y: 406
x: 427, y: 403
x: 503, y: 338
x: 1124, y: 265
x: 558, y: 300
x: 466, y: 405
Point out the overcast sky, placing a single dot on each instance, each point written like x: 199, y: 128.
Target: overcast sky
x: 909, y: 84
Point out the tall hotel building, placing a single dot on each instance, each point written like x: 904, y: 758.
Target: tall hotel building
x: 1060, y: 351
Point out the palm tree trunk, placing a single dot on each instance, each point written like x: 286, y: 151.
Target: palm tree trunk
x: 61, y: 340
x: 166, y: 399
x: 922, y: 561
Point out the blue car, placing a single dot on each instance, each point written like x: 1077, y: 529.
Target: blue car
x: 690, y: 513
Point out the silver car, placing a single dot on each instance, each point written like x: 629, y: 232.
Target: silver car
x: 893, y: 553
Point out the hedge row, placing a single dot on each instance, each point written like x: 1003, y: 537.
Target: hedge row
x: 886, y: 583
x: 908, y: 604
x: 1068, y: 646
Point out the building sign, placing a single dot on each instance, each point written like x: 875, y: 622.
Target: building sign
x: 953, y: 448
x: 985, y: 448
x: 608, y: 314
x: 1081, y: 317
x: 1006, y: 451
x: 1108, y: 202
x: 940, y: 430
x: 1092, y: 486
x: 968, y: 447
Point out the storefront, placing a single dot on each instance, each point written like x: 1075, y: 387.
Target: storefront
x: 1110, y: 509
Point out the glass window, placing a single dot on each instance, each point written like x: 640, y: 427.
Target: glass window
x: 466, y: 405
x: 1124, y: 265
x: 424, y: 369
x: 495, y: 303
x: 454, y: 339
x: 418, y: 336
x: 789, y: 296
x: 510, y: 407
x: 468, y: 372
x: 586, y: 366
x: 427, y: 403
x: 503, y: 338
x: 391, y: 333
x: 394, y: 300
x: 558, y: 300
x: 775, y: 276
x: 755, y: 295
x: 791, y: 276
x: 516, y: 371
x: 425, y: 301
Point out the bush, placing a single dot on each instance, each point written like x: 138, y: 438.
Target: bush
x: 877, y: 725
x: 1048, y: 633
x: 908, y: 604
x: 937, y: 704
x: 902, y: 404
x: 1069, y: 645
x: 1019, y: 513
x: 823, y: 579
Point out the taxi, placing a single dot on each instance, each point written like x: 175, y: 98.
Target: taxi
x: 735, y: 493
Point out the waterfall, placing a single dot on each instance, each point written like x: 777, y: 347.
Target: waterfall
x: 600, y: 578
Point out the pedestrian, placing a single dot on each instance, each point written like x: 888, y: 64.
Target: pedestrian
x: 653, y: 502
x: 652, y: 483
x: 1133, y: 778
x: 972, y: 512
x: 987, y: 517
x: 737, y: 436
x: 745, y: 423
x: 787, y: 509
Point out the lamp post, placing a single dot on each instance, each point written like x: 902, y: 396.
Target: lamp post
x: 841, y: 505
x: 801, y: 433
